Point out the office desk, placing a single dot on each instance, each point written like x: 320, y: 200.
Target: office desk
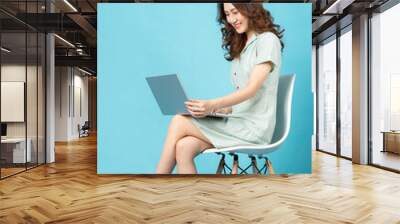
x: 391, y: 141
x: 13, y: 150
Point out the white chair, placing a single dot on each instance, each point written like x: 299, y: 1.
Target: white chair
x: 283, y: 114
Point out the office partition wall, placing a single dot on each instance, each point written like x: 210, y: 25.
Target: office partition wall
x: 13, y: 72
x: 22, y: 64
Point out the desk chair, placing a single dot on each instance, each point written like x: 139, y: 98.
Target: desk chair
x: 84, y: 129
x: 283, y: 114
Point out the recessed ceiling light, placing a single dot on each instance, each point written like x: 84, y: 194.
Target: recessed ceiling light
x: 337, y: 7
x: 65, y: 41
x: 5, y: 50
x: 84, y: 71
x: 70, y: 5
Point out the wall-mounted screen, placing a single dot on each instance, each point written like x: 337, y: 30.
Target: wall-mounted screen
x: 12, y: 101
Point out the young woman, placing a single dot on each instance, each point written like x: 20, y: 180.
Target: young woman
x: 253, y: 44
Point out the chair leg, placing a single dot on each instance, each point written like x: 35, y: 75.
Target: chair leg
x: 269, y: 167
x: 221, y: 164
x: 254, y: 165
x: 235, y: 164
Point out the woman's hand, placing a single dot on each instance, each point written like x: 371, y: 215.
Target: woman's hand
x: 200, y: 108
x: 225, y: 110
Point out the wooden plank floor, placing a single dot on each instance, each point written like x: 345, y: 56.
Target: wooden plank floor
x: 70, y: 191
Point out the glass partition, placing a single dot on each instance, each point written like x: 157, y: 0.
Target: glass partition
x: 22, y: 88
x: 14, y: 153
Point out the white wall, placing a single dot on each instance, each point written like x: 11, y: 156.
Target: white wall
x: 62, y: 81
x: 79, y: 117
x: 71, y: 94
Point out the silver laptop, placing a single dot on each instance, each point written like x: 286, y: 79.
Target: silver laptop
x: 170, y: 95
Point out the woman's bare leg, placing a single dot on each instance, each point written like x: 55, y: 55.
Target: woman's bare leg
x: 180, y: 126
x: 186, y: 149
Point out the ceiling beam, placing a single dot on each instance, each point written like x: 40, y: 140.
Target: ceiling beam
x: 85, y: 25
x: 337, y: 6
x: 83, y: 61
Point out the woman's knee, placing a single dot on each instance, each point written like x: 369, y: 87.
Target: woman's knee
x: 177, y: 123
x: 178, y: 119
x: 185, y: 149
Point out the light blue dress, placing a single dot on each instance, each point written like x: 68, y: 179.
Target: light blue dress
x: 252, y: 121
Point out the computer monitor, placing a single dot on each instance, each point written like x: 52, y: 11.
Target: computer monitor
x: 3, y: 129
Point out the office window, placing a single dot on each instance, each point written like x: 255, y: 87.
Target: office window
x: 327, y: 96
x: 346, y: 93
x: 385, y: 85
x: 394, y: 102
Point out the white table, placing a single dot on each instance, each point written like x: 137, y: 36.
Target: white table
x: 19, y: 149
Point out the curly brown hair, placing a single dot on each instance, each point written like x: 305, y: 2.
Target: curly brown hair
x: 260, y: 20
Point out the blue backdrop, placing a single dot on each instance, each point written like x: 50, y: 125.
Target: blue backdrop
x: 139, y: 40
